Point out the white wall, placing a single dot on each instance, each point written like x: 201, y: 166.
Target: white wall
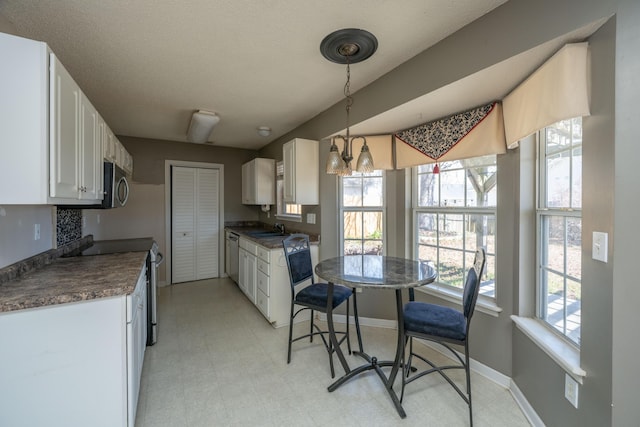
x: 17, y: 232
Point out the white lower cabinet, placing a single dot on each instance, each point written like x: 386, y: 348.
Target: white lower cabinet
x: 75, y: 364
x: 136, y: 344
x: 270, y: 289
x: 247, y: 268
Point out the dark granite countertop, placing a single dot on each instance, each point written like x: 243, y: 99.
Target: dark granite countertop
x: 271, y: 242
x: 73, y: 279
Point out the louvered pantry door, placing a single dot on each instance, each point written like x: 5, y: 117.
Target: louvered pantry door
x: 195, y: 223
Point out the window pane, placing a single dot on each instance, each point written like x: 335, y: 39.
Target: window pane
x: 373, y: 247
x: 451, y: 231
x: 574, y: 248
x: 372, y: 191
x: 488, y: 280
x: 452, y: 187
x: 427, y: 228
x: 353, y: 247
x: 558, y: 180
x: 574, y: 310
x: 428, y: 194
x: 428, y: 253
x: 450, y: 268
x: 555, y: 242
x: 481, y: 186
x: 352, y: 191
x: 352, y: 225
x: 372, y: 224
x: 576, y: 178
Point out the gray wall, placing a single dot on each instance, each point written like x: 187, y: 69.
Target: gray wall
x: 626, y: 292
x: 515, y: 27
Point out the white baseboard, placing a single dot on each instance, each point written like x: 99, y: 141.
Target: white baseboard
x: 524, y: 405
x: 491, y: 374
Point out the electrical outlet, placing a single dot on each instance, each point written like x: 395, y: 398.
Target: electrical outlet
x: 36, y: 232
x: 571, y: 390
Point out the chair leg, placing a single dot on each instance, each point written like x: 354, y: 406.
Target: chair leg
x: 311, y: 327
x: 355, y: 316
x: 348, y: 337
x: 468, y: 372
x: 290, y: 334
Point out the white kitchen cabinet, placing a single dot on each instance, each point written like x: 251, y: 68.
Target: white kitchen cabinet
x: 110, y: 144
x: 258, y: 182
x: 78, y: 364
x: 247, y: 262
x: 301, y: 172
x: 75, y: 143
x: 48, y: 130
x: 136, y: 343
x: 272, y: 288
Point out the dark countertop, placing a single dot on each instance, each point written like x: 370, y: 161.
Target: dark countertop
x: 74, y: 279
x: 271, y: 242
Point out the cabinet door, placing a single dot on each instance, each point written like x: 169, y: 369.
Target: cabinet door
x: 90, y: 150
x: 248, y: 184
x: 251, y: 277
x: 65, y: 138
x: 289, y: 163
x: 242, y: 270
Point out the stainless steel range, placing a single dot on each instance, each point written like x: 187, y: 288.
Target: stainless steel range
x: 154, y: 259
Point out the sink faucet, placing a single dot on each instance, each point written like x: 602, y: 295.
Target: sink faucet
x: 279, y: 226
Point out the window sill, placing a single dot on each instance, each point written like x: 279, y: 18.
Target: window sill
x: 292, y: 218
x: 483, y: 305
x: 563, y: 353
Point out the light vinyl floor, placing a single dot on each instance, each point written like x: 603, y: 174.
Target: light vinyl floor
x: 219, y: 363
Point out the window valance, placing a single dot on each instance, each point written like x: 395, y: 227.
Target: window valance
x: 472, y: 133
x: 558, y: 90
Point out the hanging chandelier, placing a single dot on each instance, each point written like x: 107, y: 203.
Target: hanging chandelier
x: 348, y: 46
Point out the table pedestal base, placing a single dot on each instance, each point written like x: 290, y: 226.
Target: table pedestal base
x: 376, y: 366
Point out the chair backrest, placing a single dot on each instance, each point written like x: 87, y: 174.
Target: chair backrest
x: 298, y: 255
x: 472, y: 285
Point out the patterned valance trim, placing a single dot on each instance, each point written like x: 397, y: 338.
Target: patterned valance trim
x: 437, y: 138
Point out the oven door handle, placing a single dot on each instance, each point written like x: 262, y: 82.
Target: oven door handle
x: 159, y: 258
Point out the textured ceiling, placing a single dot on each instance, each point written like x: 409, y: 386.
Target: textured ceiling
x: 146, y: 65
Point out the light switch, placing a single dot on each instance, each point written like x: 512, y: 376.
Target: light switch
x: 311, y: 218
x: 600, y: 243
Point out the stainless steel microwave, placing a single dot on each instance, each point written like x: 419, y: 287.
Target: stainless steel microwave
x: 116, y: 187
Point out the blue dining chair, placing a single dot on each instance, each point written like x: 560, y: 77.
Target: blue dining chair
x: 444, y: 326
x: 314, y: 296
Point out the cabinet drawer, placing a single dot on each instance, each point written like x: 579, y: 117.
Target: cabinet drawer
x: 263, y: 283
x: 263, y: 253
x: 263, y: 266
x: 263, y: 304
x: 249, y: 246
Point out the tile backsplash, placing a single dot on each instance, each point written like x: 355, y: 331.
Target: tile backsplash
x: 68, y: 225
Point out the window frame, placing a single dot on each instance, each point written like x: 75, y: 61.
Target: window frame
x: 342, y: 209
x: 542, y: 212
x: 486, y: 304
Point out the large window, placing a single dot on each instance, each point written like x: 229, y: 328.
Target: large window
x: 292, y: 212
x: 362, y: 213
x: 559, y: 220
x: 454, y: 213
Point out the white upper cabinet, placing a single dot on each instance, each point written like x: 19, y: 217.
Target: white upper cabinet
x: 301, y: 172
x: 50, y: 134
x: 65, y: 133
x: 258, y: 182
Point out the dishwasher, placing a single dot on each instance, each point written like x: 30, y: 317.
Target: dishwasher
x: 232, y: 255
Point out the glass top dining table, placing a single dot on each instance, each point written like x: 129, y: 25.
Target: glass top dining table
x: 375, y: 272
